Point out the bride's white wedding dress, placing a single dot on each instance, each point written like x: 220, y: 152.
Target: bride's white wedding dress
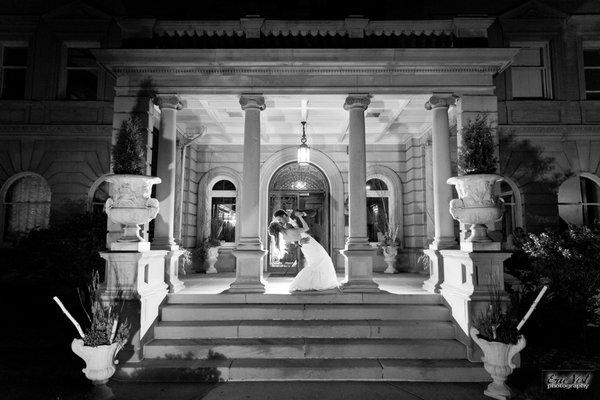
x: 318, y: 273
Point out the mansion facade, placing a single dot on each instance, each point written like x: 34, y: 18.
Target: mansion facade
x: 224, y: 104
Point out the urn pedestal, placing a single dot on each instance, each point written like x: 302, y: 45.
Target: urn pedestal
x: 130, y: 204
x: 477, y: 205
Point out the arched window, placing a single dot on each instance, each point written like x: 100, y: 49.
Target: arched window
x: 508, y: 191
x: 378, y: 209
x: 98, y: 198
x: 579, y: 200
x: 223, y: 199
x: 25, y: 205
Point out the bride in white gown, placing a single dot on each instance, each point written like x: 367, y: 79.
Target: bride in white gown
x: 318, y: 273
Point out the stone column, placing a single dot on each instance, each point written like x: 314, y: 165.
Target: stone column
x: 358, y: 252
x: 166, y: 170
x: 165, y: 192
x: 249, y: 252
x: 442, y: 192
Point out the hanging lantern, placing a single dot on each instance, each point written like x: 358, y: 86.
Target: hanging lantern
x: 303, y: 149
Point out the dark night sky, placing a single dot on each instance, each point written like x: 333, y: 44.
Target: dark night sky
x: 281, y: 9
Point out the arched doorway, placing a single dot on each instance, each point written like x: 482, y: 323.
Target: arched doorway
x: 304, y: 188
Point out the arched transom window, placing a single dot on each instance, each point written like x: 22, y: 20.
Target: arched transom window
x: 25, y: 206
x: 223, y: 200
x: 579, y: 200
x: 378, y: 209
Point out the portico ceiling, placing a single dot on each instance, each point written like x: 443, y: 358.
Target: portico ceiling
x: 389, y: 119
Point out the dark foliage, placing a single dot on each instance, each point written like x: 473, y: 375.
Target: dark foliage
x: 569, y: 263
x: 128, y: 152
x: 476, y: 153
x: 60, y: 258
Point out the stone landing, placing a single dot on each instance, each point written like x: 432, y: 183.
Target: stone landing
x: 328, y: 336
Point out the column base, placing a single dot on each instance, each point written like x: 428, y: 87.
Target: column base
x: 436, y: 271
x: 172, y: 271
x: 444, y: 242
x: 249, y: 272
x: 164, y: 243
x: 359, y: 268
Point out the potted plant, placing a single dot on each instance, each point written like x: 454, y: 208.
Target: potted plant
x: 104, y: 337
x: 477, y: 205
x: 496, y: 332
x: 212, y: 252
x: 207, y: 250
x: 130, y: 203
x: 389, y: 245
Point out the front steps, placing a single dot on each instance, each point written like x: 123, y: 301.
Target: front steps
x: 234, y: 337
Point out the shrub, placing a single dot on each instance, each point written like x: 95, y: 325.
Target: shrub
x: 476, y: 153
x: 128, y: 152
x: 569, y: 263
x: 57, y: 259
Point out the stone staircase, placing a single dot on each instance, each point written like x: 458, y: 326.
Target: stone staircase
x: 332, y: 336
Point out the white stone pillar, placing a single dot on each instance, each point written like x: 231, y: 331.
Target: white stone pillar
x: 358, y: 252
x: 165, y: 192
x: 166, y: 170
x: 442, y: 192
x: 249, y: 252
x: 442, y: 170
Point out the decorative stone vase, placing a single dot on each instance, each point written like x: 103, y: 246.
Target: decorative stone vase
x: 131, y: 204
x: 497, y: 361
x: 476, y: 205
x: 389, y: 256
x: 99, y: 360
x: 212, y: 256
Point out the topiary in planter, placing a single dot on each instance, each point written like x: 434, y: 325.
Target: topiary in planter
x: 476, y: 153
x: 128, y: 153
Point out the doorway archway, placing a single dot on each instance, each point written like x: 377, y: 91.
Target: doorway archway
x: 304, y: 188
x: 336, y: 200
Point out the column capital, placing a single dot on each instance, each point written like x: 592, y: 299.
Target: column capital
x: 168, y: 101
x: 251, y: 100
x: 436, y: 101
x: 359, y: 100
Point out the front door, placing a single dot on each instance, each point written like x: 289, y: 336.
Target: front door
x: 302, y: 188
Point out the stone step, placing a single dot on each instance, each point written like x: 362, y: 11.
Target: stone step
x: 304, y: 348
x: 216, y: 312
x: 306, y: 298
x: 417, y: 370
x: 363, y: 329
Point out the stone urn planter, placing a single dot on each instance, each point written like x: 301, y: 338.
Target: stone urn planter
x: 476, y: 205
x: 389, y: 256
x: 497, y: 361
x: 131, y: 205
x: 99, y: 360
x: 212, y: 255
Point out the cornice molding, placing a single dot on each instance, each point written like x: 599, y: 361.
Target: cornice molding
x: 354, y: 27
x: 333, y: 70
x: 306, y: 61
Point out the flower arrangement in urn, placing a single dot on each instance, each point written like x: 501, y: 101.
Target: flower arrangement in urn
x: 105, y: 336
x: 389, y: 244
x: 496, y: 332
x: 477, y: 205
x: 130, y: 203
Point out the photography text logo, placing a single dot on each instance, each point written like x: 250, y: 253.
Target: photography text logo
x: 567, y: 379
